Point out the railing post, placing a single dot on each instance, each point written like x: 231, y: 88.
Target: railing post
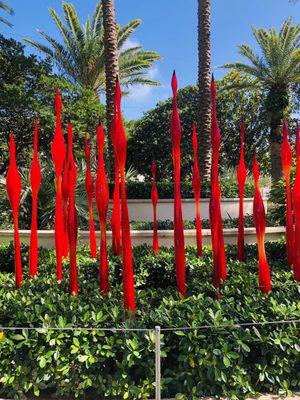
x: 157, y: 364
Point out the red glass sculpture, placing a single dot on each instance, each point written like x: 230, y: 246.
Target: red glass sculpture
x: 286, y: 161
x: 120, y: 146
x: 35, y: 183
x: 218, y: 247
x: 58, y: 150
x: 241, y: 178
x: 65, y: 205
x: 259, y: 216
x: 72, y: 215
x: 102, y: 199
x: 13, y: 188
x: 115, y: 220
x: 197, y: 191
x: 89, y: 187
x: 154, y: 198
x: 175, y: 129
x: 296, y: 203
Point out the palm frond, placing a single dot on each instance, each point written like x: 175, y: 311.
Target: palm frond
x: 40, y: 47
x: 63, y: 31
x: 6, y: 8
x: 138, y: 81
x: 278, y: 63
x: 97, y: 20
x: 80, y: 54
x: 6, y: 22
x: 73, y: 23
x: 9, y: 10
x: 126, y: 31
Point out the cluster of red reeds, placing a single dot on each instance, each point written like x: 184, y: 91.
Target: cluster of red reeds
x: 66, y: 224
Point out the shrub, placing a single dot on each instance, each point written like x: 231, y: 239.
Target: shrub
x: 142, y: 190
x: 232, y: 362
x: 227, y: 223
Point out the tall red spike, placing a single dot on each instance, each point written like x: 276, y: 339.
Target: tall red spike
x: 58, y: 151
x: 35, y: 183
x: 102, y: 199
x: 218, y: 247
x: 65, y: 205
x: 286, y: 161
x: 120, y: 146
x: 260, y: 226
x: 154, y: 198
x: 175, y: 129
x: 89, y: 188
x: 13, y: 188
x: 72, y: 215
x: 197, y: 190
x: 115, y: 220
x: 241, y: 178
x: 296, y: 202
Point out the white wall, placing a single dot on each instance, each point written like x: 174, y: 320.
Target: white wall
x: 166, y: 238
x: 141, y: 210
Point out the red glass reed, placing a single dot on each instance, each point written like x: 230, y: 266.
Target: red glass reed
x: 58, y: 151
x: 89, y: 188
x: 35, y: 183
x: 102, y: 199
x: 120, y: 146
x: 241, y: 178
x: 175, y: 129
x: 219, y: 256
x: 259, y: 216
x: 65, y: 205
x: 286, y: 161
x: 72, y: 216
x: 13, y: 188
x: 115, y: 220
x: 197, y: 190
x: 154, y: 198
x: 296, y: 202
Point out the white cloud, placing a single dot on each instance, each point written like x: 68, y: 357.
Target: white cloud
x: 129, y: 43
x: 143, y: 92
x: 140, y: 93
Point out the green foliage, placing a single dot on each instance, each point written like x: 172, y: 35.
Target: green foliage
x: 275, y: 71
x: 82, y: 57
x: 227, y: 223
x: 232, y: 362
x: 142, y: 190
x: 150, y: 138
x: 27, y: 89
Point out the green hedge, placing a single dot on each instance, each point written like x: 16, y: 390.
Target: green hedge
x: 229, y: 362
x: 142, y: 190
x: 227, y: 223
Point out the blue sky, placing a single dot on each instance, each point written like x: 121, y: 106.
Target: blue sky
x: 169, y: 27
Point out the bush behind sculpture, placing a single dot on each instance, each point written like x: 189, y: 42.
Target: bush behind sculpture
x: 232, y: 362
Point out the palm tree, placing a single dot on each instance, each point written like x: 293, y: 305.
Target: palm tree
x: 111, y: 56
x: 81, y: 56
x: 204, y: 78
x: 6, y: 8
x: 274, y: 70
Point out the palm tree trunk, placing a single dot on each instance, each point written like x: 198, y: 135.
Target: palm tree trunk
x: 204, y: 79
x: 111, y: 67
x: 275, y: 149
x: 276, y: 103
